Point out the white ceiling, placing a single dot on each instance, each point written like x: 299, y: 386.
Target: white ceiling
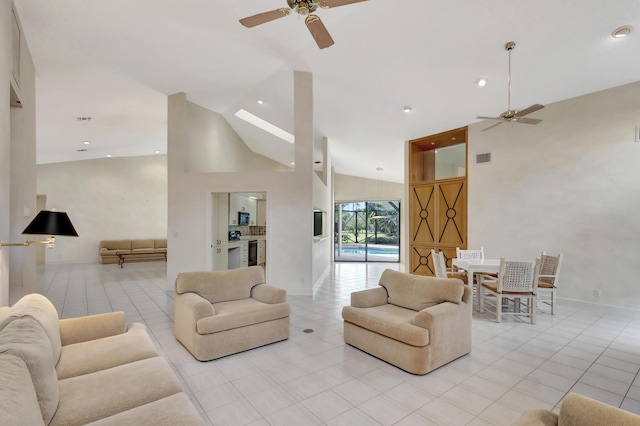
x: 117, y: 61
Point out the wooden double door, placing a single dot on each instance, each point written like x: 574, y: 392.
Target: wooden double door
x: 438, y: 220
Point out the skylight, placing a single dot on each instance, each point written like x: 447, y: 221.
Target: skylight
x: 264, y: 125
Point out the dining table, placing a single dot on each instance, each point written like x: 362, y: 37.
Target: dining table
x: 476, y: 266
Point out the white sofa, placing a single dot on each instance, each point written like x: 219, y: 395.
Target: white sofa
x: 86, y: 370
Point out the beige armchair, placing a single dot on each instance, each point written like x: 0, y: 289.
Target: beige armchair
x: 579, y: 410
x: 413, y: 322
x: 220, y: 313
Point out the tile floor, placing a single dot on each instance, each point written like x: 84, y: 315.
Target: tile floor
x: 315, y: 379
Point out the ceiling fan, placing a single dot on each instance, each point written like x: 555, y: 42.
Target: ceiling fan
x: 511, y: 115
x: 305, y: 8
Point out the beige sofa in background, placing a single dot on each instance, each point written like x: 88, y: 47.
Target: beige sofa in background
x: 86, y: 370
x: 414, y: 322
x: 149, y: 249
x: 220, y: 313
x: 579, y: 410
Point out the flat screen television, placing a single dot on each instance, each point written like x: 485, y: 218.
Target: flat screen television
x: 317, y: 223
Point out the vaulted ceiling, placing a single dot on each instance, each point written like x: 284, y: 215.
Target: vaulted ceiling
x: 117, y: 61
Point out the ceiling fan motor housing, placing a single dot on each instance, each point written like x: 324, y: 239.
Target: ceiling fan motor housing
x: 303, y: 7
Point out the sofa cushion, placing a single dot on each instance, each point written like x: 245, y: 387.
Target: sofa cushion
x: 42, y: 310
x: 114, y: 245
x: 100, y: 354
x: 390, y: 321
x: 419, y: 292
x: 4, y: 311
x: 24, y: 337
x: 18, y: 400
x: 160, y: 245
x: 142, y: 245
x: 170, y: 411
x: 221, y: 286
x: 98, y: 395
x: 240, y: 313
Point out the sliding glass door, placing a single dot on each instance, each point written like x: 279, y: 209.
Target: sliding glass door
x: 367, y: 231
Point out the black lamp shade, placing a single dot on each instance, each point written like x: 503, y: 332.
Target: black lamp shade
x: 51, y: 223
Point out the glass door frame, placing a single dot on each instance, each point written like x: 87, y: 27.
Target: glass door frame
x: 368, y: 212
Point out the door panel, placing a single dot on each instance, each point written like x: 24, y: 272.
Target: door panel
x: 452, y: 213
x: 423, y: 214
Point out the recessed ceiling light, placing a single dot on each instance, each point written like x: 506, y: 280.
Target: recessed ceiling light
x: 621, y: 32
x: 433, y: 143
x: 481, y: 82
x: 86, y: 142
x: 260, y: 101
x: 406, y: 109
x: 293, y: 163
x: 157, y: 151
x: 108, y: 155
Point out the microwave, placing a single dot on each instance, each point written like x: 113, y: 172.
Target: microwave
x: 243, y: 218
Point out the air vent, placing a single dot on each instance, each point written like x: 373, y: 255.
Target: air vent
x: 483, y: 158
x: 83, y: 118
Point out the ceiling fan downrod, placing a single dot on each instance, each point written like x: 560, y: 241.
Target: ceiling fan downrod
x: 509, y: 47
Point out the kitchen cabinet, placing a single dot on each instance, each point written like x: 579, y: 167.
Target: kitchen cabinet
x: 261, y: 213
x: 220, y: 214
x: 220, y: 228
x: 237, y: 254
x: 220, y: 258
x: 241, y: 203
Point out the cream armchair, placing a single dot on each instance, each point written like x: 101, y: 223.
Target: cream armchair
x: 220, y: 313
x: 413, y: 322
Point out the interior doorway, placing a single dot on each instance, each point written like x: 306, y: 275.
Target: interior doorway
x: 367, y: 231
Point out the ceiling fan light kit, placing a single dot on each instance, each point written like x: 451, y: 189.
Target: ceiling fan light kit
x: 511, y: 115
x: 304, y: 8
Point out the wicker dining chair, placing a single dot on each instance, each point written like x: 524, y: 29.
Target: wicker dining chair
x: 548, y: 279
x: 440, y: 267
x: 471, y: 254
x: 514, y: 290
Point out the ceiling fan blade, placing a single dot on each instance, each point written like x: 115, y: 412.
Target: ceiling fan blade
x: 318, y: 31
x: 529, y: 120
x: 532, y: 108
x: 336, y: 3
x: 488, y: 118
x: 492, y: 126
x: 264, y: 17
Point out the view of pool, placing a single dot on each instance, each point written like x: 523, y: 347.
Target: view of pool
x: 391, y: 251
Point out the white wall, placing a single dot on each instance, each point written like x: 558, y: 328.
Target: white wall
x: 17, y: 164
x: 290, y: 263
x: 106, y: 199
x: 354, y: 188
x: 570, y: 184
